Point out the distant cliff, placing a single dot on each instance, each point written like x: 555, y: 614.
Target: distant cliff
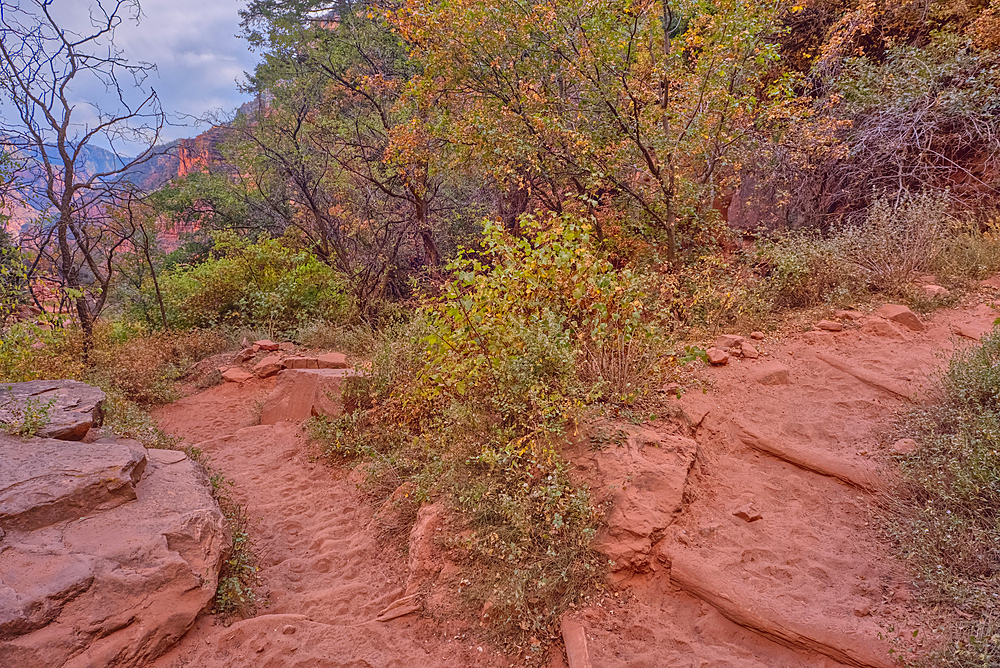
x: 180, y: 158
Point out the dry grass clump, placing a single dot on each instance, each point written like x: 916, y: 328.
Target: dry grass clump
x: 896, y: 241
x: 143, y: 368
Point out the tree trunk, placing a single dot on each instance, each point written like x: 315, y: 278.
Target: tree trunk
x: 156, y: 283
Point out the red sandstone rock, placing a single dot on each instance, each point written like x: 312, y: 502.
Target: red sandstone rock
x: 772, y: 374
x: 655, y: 467
x: 235, y: 374
x: 904, y: 446
x: 44, y: 481
x: 902, y: 315
x: 301, y: 363
x: 849, y: 314
x: 575, y: 639
x: 747, y: 514
x: 108, y: 586
x: 268, y: 366
x: 883, y: 328
x: 302, y: 393
x: 829, y: 325
x: 717, y: 357
x: 267, y: 344
x: 748, y: 351
x: 332, y: 361
x: 727, y: 341
x: 73, y: 407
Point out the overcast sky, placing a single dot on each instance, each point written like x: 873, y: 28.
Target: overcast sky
x: 197, y: 54
x: 194, y: 45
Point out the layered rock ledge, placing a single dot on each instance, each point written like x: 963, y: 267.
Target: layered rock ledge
x: 108, y: 551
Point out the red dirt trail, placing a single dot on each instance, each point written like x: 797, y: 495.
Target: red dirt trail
x: 806, y: 583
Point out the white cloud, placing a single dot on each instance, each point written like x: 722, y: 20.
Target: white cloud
x: 194, y: 46
x: 198, y: 56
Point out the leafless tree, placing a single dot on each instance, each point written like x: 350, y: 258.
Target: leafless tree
x: 44, y: 63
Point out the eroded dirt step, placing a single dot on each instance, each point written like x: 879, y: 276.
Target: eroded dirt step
x: 658, y: 626
x: 661, y: 515
x: 772, y: 538
x: 771, y: 561
x: 785, y: 552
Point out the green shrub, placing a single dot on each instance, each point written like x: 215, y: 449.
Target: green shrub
x: 803, y: 269
x: 30, y: 352
x: 250, y: 284
x: 528, y: 318
x: 470, y: 402
x: 130, y: 420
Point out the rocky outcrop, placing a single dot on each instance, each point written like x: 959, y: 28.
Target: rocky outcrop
x: 302, y: 393
x: 200, y: 153
x: 72, y: 407
x: 641, y: 478
x: 108, y: 552
x: 44, y: 481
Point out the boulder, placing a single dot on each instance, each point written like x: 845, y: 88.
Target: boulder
x: 89, y: 477
x: 902, y: 315
x: 829, y: 326
x: 727, y: 341
x: 72, y: 407
x: 332, y: 361
x: 302, y: 393
x: 971, y: 330
x: 266, y: 344
x: 884, y: 329
x: 747, y: 350
x: 849, y: 314
x: 717, y: 356
x: 904, y: 446
x: 107, y: 586
x: 234, y: 374
x: 268, y: 366
x: 757, y: 336
x: 772, y: 374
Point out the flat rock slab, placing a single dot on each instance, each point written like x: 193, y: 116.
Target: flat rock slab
x: 902, y: 315
x: 72, y: 407
x: 44, y: 481
x: 302, y: 393
x: 118, y: 587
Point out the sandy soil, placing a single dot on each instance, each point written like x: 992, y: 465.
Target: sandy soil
x: 324, y: 577
x: 806, y: 582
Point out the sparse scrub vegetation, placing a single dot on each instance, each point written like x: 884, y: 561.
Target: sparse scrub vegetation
x: 947, y: 523
x: 509, y: 213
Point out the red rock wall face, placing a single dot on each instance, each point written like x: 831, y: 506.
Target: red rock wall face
x: 200, y: 153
